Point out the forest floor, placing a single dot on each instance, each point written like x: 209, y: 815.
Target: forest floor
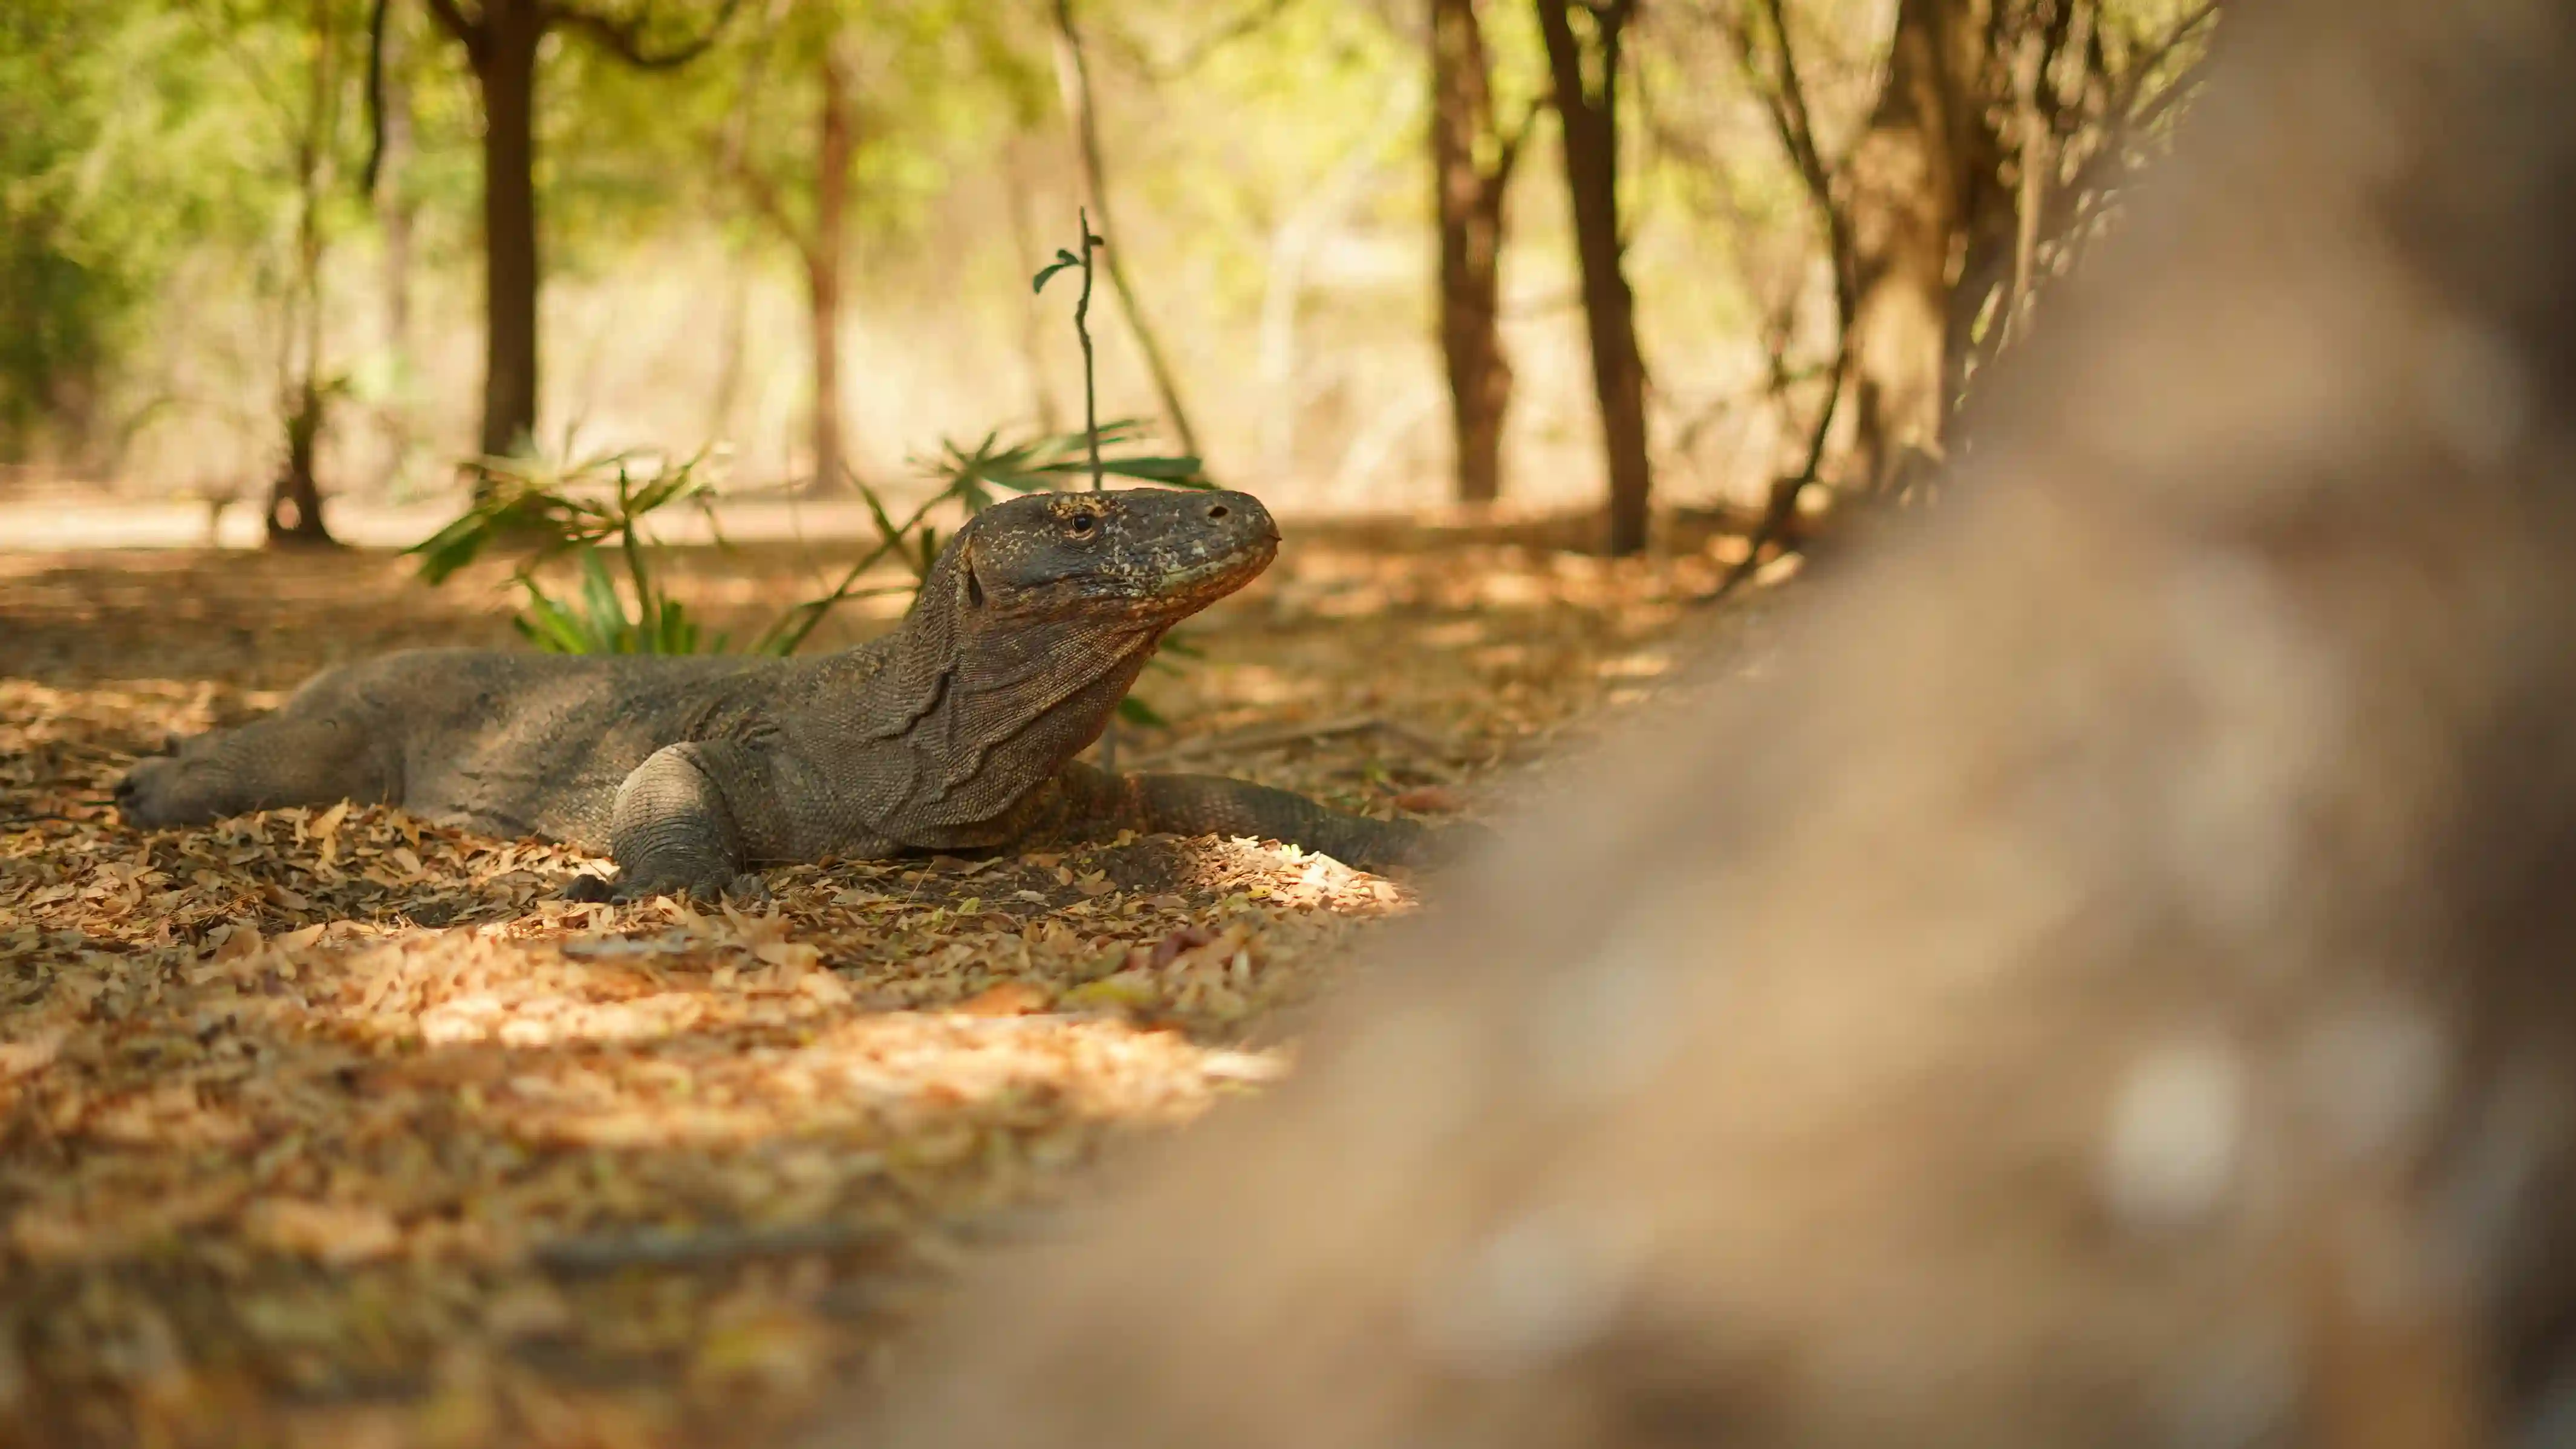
x: 330, y: 1127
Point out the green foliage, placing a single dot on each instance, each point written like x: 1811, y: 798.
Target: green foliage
x: 143, y: 142
x: 1045, y: 462
x: 574, y: 508
x: 93, y: 100
x: 595, y: 620
x: 934, y: 84
x: 557, y: 507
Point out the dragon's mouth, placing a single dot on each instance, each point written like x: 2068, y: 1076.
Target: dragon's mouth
x: 1242, y: 561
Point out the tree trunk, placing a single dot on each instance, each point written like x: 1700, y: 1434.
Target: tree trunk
x: 1913, y: 179
x: 295, y: 498
x: 395, y: 209
x: 506, y: 73
x: 1470, y: 191
x: 1590, y: 126
x: 823, y: 264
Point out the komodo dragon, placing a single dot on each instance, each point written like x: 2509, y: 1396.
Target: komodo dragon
x: 957, y: 731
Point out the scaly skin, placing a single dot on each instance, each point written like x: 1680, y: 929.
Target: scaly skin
x: 958, y: 731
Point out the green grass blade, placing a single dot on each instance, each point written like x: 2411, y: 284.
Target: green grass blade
x: 1137, y: 712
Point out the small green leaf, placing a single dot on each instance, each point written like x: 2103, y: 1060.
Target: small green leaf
x: 877, y: 513
x: 1063, y: 259
x: 549, y: 625
x: 778, y: 640
x: 1138, y: 712
x: 674, y: 632
x: 1180, y: 472
x: 451, y: 548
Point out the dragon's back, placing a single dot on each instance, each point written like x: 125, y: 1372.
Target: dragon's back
x: 540, y: 742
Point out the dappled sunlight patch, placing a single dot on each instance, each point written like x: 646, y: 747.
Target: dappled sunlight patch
x: 265, y: 1118
x: 351, y: 1156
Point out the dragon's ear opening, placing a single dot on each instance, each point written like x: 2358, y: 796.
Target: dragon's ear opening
x: 970, y: 589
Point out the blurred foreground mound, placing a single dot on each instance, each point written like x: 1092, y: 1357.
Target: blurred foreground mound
x: 2111, y: 988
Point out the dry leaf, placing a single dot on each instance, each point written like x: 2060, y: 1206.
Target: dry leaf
x: 789, y: 956
x: 25, y: 1058
x: 1121, y: 989
x: 334, y: 1234
x: 1010, y: 998
x: 1431, y: 800
x: 240, y: 943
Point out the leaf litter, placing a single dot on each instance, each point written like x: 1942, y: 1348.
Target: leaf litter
x: 335, y: 1126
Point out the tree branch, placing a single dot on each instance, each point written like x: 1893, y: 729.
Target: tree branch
x: 624, y: 39
x: 732, y: 150
x: 1786, y: 97
x: 2145, y: 65
x: 2131, y: 111
x: 1242, y: 27
x: 469, y: 32
x: 765, y: 199
x: 1073, y: 80
x: 1513, y: 141
x: 376, y: 15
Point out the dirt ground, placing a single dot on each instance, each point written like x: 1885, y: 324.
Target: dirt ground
x: 329, y: 1127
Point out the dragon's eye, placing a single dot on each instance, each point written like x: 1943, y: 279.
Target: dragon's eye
x: 1081, y: 523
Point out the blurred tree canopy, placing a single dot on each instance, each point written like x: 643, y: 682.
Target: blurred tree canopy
x: 812, y: 240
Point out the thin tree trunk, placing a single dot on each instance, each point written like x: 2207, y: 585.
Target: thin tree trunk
x: 295, y: 498
x: 395, y: 209
x: 1016, y: 185
x: 1912, y: 182
x: 501, y: 39
x: 506, y: 71
x: 1470, y: 190
x: 1073, y: 79
x: 729, y: 344
x: 1590, y: 126
x: 833, y: 146
x: 1293, y: 241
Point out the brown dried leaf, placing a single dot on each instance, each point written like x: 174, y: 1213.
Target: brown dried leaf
x: 1431, y: 800
x: 1010, y: 998
x: 334, y: 1234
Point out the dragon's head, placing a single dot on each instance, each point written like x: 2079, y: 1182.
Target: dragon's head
x: 1149, y: 556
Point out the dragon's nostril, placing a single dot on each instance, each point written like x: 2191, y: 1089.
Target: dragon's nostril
x: 1217, y: 510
